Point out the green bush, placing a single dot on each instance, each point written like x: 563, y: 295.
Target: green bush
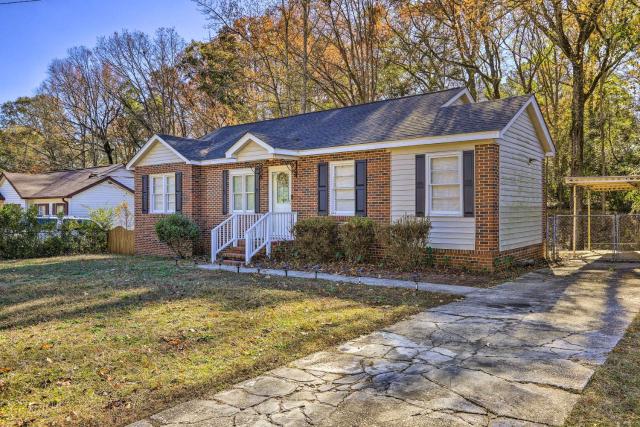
x: 179, y: 233
x: 24, y: 235
x: 357, y: 238
x: 405, y: 243
x: 316, y: 239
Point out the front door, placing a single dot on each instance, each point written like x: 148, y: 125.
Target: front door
x: 280, y: 185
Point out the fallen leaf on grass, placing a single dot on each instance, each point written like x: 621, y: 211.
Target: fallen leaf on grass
x: 46, y: 346
x: 5, y: 370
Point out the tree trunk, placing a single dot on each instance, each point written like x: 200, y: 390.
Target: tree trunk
x: 577, y: 139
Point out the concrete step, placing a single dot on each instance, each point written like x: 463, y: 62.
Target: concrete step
x: 232, y: 262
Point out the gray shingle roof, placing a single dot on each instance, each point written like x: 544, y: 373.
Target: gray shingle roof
x: 394, y: 119
x: 58, y: 184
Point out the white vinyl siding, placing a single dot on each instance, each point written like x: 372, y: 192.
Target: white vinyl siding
x: 342, y: 188
x: 10, y: 194
x: 162, y: 193
x: 104, y: 195
x: 521, y: 158
x: 250, y: 152
x: 159, y: 154
x: 447, y: 232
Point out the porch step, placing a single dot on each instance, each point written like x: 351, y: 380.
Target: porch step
x: 233, y: 262
x: 237, y: 256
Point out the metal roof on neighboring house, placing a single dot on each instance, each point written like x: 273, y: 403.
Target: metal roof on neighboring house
x: 388, y: 120
x: 62, y: 183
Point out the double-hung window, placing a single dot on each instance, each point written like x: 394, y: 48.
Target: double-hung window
x: 445, y: 184
x: 163, y: 193
x: 342, y: 184
x: 243, y: 191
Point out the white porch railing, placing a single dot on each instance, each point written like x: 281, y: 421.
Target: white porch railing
x: 230, y: 231
x: 272, y: 227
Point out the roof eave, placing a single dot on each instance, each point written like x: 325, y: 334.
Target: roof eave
x: 147, y: 146
x: 539, y: 124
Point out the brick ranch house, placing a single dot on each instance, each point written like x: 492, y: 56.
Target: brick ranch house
x: 476, y: 169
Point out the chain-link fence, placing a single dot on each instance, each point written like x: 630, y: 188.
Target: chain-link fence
x: 616, y: 236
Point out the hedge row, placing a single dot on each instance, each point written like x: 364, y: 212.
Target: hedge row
x: 402, y: 244
x: 24, y: 235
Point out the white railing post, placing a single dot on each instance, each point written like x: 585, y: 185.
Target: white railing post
x: 269, y: 227
x: 214, y: 245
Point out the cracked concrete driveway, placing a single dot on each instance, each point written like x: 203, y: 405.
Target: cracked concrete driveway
x: 514, y: 355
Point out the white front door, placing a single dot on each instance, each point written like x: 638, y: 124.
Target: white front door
x: 280, y: 189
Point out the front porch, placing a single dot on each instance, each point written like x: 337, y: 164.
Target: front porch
x: 244, y: 235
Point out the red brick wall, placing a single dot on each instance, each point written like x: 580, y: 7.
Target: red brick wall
x: 202, y: 192
x: 146, y: 241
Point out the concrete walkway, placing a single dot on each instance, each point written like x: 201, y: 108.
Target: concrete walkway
x: 360, y: 280
x: 516, y: 355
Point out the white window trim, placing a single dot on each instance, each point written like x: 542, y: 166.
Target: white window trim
x: 240, y: 172
x: 332, y: 198
x: 165, y: 204
x: 429, y: 208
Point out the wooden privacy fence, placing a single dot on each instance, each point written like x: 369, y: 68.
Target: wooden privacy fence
x: 120, y: 241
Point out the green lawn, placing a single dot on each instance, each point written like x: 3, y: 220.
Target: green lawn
x: 104, y: 340
x: 612, y: 397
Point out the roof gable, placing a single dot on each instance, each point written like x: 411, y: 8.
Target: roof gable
x: 61, y: 183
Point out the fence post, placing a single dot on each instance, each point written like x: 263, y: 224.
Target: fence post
x: 555, y: 237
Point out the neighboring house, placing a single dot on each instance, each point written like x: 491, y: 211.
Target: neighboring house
x: 70, y: 192
x: 476, y: 169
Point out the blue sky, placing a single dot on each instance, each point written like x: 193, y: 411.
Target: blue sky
x: 33, y: 34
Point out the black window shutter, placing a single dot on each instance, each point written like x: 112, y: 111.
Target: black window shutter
x: 420, y: 185
x: 323, y: 189
x: 256, y: 190
x: 225, y: 192
x: 145, y: 193
x: 178, y: 191
x: 361, y: 187
x: 467, y: 182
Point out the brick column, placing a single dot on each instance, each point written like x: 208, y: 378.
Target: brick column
x: 487, y: 194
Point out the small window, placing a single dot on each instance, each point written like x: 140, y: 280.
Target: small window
x: 445, y: 185
x: 343, y: 193
x: 243, y: 190
x: 59, y: 209
x: 163, y: 193
x: 43, y: 209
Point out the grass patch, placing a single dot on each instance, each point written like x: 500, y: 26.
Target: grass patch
x: 104, y: 340
x: 612, y: 397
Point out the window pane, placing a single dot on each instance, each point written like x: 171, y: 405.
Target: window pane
x: 344, y: 170
x: 237, y: 202
x: 250, y: 180
x: 171, y: 184
x: 171, y: 203
x: 282, y: 187
x: 445, y: 198
x: 251, y: 201
x: 237, y: 184
x: 157, y: 202
x: 157, y: 185
x: 345, y: 200
x: 444, y: 170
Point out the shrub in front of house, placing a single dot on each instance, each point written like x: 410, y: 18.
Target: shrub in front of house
x: 24, y: 235
x: 316, y: 239
x: 405, y: 243
x: 357, y: 239
x: 179, y: 233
